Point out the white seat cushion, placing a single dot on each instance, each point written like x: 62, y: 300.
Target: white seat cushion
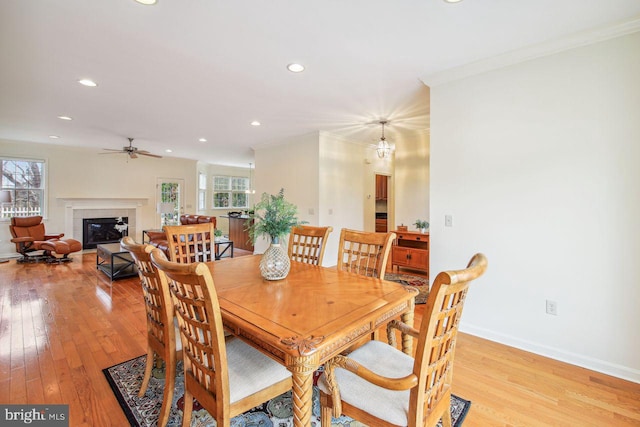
x: 178, y: 339
x: 250, y: 371
x: 391, y: 406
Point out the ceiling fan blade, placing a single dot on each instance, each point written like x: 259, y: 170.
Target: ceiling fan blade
x: 131, y: 151
x: 146, y: 153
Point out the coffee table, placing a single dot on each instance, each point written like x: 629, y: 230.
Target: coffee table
x: 226, y: 245
x: 114, y: 261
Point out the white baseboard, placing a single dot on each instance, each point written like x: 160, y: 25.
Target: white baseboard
x: 597, y: 365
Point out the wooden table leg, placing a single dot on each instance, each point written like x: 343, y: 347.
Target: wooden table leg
x: 302, y: 369
x: 407, y: 340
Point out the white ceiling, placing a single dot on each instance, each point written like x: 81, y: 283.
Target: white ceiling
x: 172, y: 73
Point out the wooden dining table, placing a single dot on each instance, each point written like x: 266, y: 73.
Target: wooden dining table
x: 306, y: 319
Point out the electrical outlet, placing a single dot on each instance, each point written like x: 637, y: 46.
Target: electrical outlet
x: 552, y: 307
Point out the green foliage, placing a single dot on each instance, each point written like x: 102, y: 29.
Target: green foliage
x: 421, y: 224
x: 273, y: 216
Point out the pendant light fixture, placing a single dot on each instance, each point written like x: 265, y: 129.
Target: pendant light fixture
x: 383, y: 150
x: 250, y: 190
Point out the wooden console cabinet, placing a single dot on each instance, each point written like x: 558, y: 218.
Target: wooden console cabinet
x: 410, y: 250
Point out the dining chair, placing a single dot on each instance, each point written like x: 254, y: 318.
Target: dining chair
x: 191, y: 242
x: 385, y: 387
x: 307, y: 243
x: 364, y: 253
x: 227, y: 377
x: 161, y: 326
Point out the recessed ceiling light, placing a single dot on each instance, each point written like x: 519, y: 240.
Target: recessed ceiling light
x: 168, y: 150
x: 203, y: 140
x: 452, y: 1
x: 65, y: 118
x: 295, y: 68
x: 147, y: 2
x: 87, y: 82
x: 54, y: 137
x: 255, y: 123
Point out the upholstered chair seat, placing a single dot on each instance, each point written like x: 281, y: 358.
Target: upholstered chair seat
x: 250, y: 371
x: 388, y: 405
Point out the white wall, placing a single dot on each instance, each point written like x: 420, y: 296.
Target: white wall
x: 292, y: 165
x: 538, y: 164
x: 82, y: 172
x: 344, y: 187
x: 412, y: 180
x: 324, y: 175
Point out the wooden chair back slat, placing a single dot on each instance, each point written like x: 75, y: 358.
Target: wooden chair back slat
x: 161, y: 335
x: 307, y: 243
x: 430, y: 382
x: 364, y: 253
x: 191, y: 243
x: 201, y: 331
x: 436, y: 344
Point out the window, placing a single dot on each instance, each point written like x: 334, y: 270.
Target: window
x: 230, y: 192
x: 202, y: 191
x: 25, y: 179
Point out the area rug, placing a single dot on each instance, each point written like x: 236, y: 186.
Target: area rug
x: 125, y: 379
x: 420, y: 283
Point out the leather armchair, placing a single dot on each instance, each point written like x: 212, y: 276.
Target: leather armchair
x: 159, y: 238
x: 29, y: 237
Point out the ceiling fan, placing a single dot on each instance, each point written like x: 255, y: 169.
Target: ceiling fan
x: 131, y: 151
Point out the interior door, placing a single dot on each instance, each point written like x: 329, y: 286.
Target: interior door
x: 170, y: 199
x: 381, y: 210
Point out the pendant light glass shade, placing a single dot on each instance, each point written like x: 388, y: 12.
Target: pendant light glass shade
x: 250, y: 190
x: 383, y: 150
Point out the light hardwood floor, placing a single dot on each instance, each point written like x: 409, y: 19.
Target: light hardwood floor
x: 60, y: 325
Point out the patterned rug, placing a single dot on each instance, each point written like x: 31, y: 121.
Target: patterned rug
x: 420, y: 283
x: 125, y: 379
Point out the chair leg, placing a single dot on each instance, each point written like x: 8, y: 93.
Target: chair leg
x: 326, y: 411
x: 188, y: 408
x: 446, y: 418
x: 446, y: 415
x: 170, y: 383
x: 147, y: 373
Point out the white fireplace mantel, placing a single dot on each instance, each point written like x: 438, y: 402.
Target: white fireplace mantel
x: 100, y: 201
x: 77, y: 203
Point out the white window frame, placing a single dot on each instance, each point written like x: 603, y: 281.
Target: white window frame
x: 202, y: 191
x: 6, y: 214
x: 230, y: 185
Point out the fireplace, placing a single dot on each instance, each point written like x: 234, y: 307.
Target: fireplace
x: 98, y: 231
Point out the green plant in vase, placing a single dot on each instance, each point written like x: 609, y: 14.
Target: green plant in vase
x: 273, y: 216
x: 421, y: 225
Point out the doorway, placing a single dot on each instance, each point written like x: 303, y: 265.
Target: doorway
x: 382, y: 196
x: 170, y: 200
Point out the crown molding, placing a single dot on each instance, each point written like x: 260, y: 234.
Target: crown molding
x: 532, y: 52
